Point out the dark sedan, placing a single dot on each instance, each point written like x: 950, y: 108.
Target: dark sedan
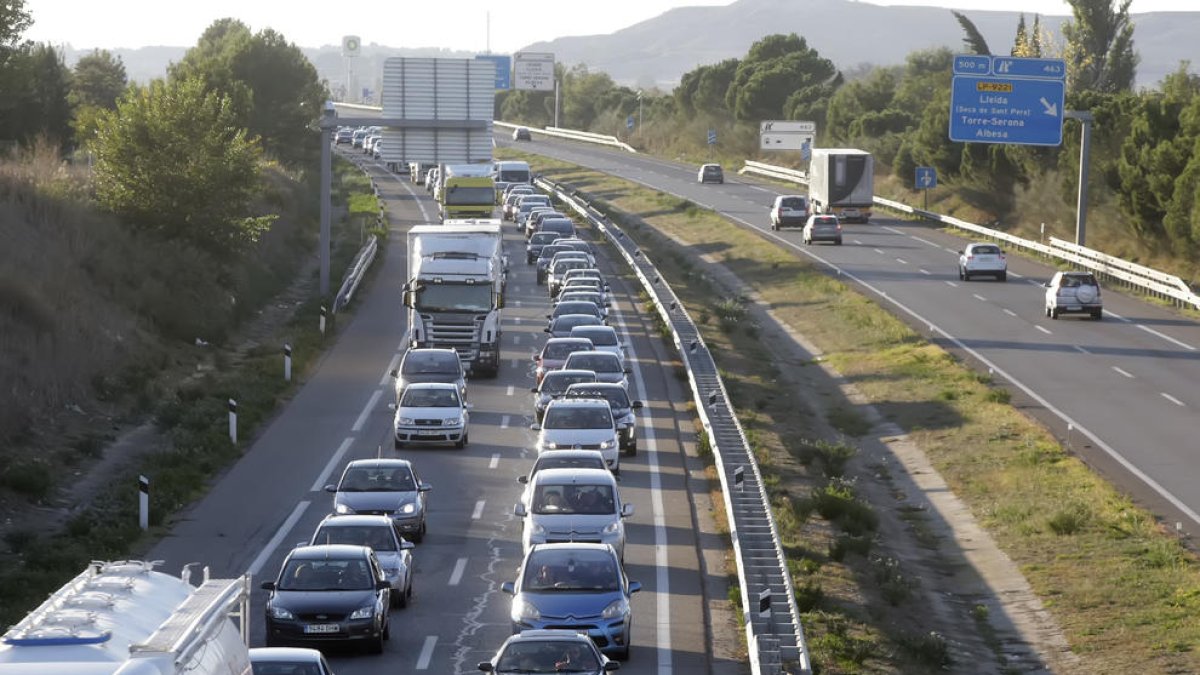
x: 329, y: 593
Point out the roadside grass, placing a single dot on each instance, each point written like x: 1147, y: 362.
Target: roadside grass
x: 1123, y: 589
x: 193, y: 415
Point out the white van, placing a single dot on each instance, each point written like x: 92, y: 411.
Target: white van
x: 574, y: 505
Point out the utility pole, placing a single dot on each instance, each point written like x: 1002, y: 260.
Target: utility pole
x: 1085, y: 148
x: 639, y: 129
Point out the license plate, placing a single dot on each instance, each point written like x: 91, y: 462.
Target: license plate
x: 322, y: 628
x: 429, y: 433
x: 1074, y: 308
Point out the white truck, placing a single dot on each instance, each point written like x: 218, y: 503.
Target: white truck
x: 842, y: 182
x: 508, y: 172
x: 126, y: 618
x: 455, y: 290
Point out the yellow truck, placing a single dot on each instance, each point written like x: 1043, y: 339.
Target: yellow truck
x: 466, y: 191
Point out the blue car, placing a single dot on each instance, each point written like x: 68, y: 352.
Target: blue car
x: 575, y: 586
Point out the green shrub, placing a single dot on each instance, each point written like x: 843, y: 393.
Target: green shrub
x: 32, y: 478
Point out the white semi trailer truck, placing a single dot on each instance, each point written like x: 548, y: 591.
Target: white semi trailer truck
x: 842, y: 182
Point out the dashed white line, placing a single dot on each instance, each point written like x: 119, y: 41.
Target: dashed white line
x: 926, y: 272
x: 495, y: 461
x: 362, y: 417
x: 752, y: 187
x: 516, y: 339
x: 426, y: 652
x: 979, y: 297
x: 516, y: 319
x: 856, y: 241
x: 509, y: 390
x: 892, y: 229
x: 478, y: 512
x: 319, y: 484
x: 1081, y: 350
x: 1010, y: 312
x: 924, y: 241
x: 516, y: 303
x: 902, y: 261
x: 1044, y: 330
x: 1172, y: 399
x: 951, y: 283
x: 947, y: 249
x: 1123, y: 372
x: 514, y: 362
x: 276, y: 540
x: 1168, y: 338
x: 504, y: 422
x: 387, y: 372
x: 457, y: 575
x: 878, y: 250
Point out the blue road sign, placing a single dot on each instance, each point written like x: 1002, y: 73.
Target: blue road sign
x: 1021, y: 110
x: 926, y: 177
x: 503, y: 69
x: 806, y: 150
x: 712, y: 136
x: 1047, y: 69
x: 629, y: 122
x: 972, y: 64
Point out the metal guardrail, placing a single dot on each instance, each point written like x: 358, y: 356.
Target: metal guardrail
x: 774, y: 635
x: 354, y: 276
x: 573, y: 135
x: 1148, y: 280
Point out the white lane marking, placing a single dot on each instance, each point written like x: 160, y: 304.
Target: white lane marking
x: 516, y: 303
x: 336, y: 459
x: 516, y: 339
x: 1123, y: 372
x: 504, y: 422
x: 951, y: 283
x: 1172, y: 399
x: 426, y: 652
x: 509, y: 390
x: 1168, y: 338
x: 516, y: 319
x: 662, y: 581
x: 457, y: 574
x: 1015, y: 275
x: 979, y: 297
x: 752, y: 187
x: 1010, y: 312
x: 276, y: 540
x: 1044, y: 330
x: 1117, y: 316
x: 878, y: 250
x: 856, y: 241
x: 1081, y: 350
x: 924, y: 241
x: 1031, y: 281
x: 478, y: 512
x: 889, y: 228
x: 514, y: 362
x: 516, y: 288
x: 926, y: 272
x: 902, y: 261
x: 362, y: 417
x: 419, y: 199
x: 947, y: 249
x: 387, y: 372
x: 495, y: 461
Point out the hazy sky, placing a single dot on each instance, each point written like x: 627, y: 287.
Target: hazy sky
x: 454, y: 24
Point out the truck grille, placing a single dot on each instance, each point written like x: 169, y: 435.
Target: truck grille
x: 460, y: 333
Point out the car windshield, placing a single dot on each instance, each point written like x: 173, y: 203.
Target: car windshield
x: 985, y: 250
x: 569, y: 264
x: 543, y: 238
x: 580, y: 296
x: 326, y: 574
x: 601, y: 363
x: 1075, y: 280
x: 558, y: 226
x: 547, y: 656
x: 616, y: 396
x: 600, y: 338
x: 415, y: 397
x: 454, y: 298
x: 462, y: 195
x: 561, y: 350
x: 514, y: 176
x: 825, y: 221
x: 426, y: 363
x: 575, y: 307
x: 578, y: 417
x: 574, y: 570
x: 378, y: 537
x: 260, y: 667
x: 556, y: 383
x: 549, y: 250
x: 555, y: 460
x: 377, y: 479
x: 564, y: 324
x: 584, y: 500
x: 792, y: 202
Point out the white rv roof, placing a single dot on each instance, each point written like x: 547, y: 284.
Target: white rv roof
x: 457, y: 228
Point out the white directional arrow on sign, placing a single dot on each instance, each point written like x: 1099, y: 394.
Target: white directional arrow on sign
x: 1051, y: 108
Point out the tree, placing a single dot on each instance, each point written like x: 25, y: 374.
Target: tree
x: 172, y: 160
x: 98, y: 80
x: 36, y: 82
x: 14, y: 21
x: 776, y: 67
x: 1021, y: 42
x: 1099, y: 50
x: 974, y: 41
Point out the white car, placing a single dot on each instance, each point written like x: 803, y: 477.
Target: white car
x: 982, y: 259
x: 822, y: 228
x: 789, y: 210
x: 1076, y: 292
x: 568, y: 505
x: 273, y: 660
x: 580, y: 424
x: 560, y: 459
x: 431, y: 412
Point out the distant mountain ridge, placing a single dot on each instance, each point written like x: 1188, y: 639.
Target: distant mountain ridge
x: 660, y: 50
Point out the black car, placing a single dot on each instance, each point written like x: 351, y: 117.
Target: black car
x: 544, y: 258
x: 329, y: 593
x: 534, y: 248
x: 549, y: 651
x: 711, y: 173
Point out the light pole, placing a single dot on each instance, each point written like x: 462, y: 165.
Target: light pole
x: 1085, y: 147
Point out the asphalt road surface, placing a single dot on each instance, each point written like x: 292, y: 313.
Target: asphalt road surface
x: 1122, y: 392
x: 273, y: 497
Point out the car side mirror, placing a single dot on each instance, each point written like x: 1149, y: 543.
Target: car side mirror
x: 533, y: 390
x: 637, y: 405
x: 626, y: 510
x: 610, y: 666
x: 468, y: 406
x: 627, y: 370
x: 545, y: 330
x: 424, y: 487
x: 486, y: 666
x: 523, y: 479
x: 535, y: 427
x: 406, y: 545
x: 635, y: 586
x: 519, y: 511
x: 267, y: 585
x: 394, y: 373
x: 331, y: 488
x: 382, y: 584
x: 508, y: 587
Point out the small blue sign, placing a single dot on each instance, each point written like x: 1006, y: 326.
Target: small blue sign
x: 1047, y: 69
x: 503, y: 69
x: 1025, y: 108
x: 806, y: 150
x: 926, y: 177
x: 712, y: 136
x: 972, y: 64
x: 629, y: 122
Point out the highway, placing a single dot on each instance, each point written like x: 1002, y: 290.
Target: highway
x: 1122, y: 391
x: 273, y: 497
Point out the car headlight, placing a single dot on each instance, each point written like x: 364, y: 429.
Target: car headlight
x: 343, y: 510
x: 369, y: 610
x: 523, y: 610
x: 282, y: 614
x: 453, y: 421
x: 406, y: 421
x: 537, y: 529
x: 605, y: 445
x: 615, y: 609
x: 612, y: 528
x: 551, y: 446
x: 409, y: 508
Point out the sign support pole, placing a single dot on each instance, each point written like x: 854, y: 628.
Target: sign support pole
x: 1085, y: 149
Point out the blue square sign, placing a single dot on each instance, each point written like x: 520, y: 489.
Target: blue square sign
x: 503, y: 69
x: 1015, y: 100
x: 926, y: 177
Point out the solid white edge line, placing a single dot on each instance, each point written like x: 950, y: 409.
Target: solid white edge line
x: 478, y: 512
x: 1172, y: 399
x: 426, y: 652
x: 362, y: 417
x: 495, y: 461
x: 1108, y: 449
x: 1122, y: 371
x: 459, y: 567
x: 331, y: 465
x: 662, y: 581
x: 284, y: 529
